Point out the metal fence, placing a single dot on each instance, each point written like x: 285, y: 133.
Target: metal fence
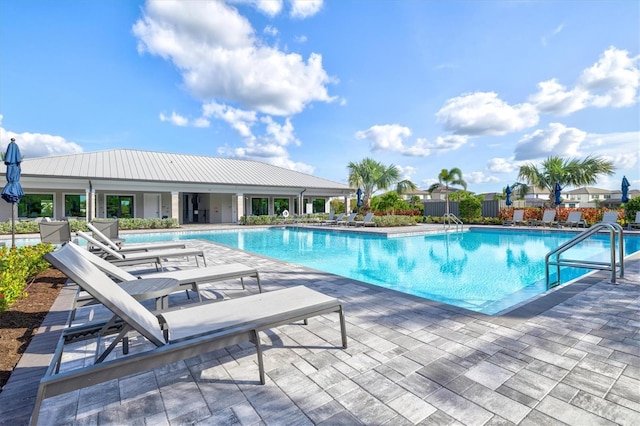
x: 489, y: 208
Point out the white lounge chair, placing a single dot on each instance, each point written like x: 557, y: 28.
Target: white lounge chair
x: 367, y: 221
x: 610, y: 216
x: 110, y: 228
x: 186, y: 277
x: 574, y: 219
x: 130, y: 248
x: 349, y: 220
x: 548, y: 218
x: 154, y: 256
x: 518, y: 218
x: 178, y: 334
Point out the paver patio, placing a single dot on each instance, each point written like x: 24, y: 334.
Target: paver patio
x: 572, y: 357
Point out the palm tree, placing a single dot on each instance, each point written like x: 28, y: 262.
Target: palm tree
x: 447, y: 178
x: 371, y: 176
x: 570, y: 171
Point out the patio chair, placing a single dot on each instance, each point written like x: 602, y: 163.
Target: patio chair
x: 186, y: 277
x: 635, y: 223
x: 367, y: 221
x: 130, y: 248
x: 518, y: 218
x: 137, y: 258
x: 548, y: 218
x: 55, y: 232
x: 110, y: 228
x: 334, y: 220
x: 348, y: 220
x: 177, y: 335
x: 610, y: 216
x: 574, y: 219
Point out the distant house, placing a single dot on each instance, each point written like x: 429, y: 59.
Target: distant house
x: 127, y: 183
x: 441, y: 193
x: 595, y: 197
x: 422, y: 194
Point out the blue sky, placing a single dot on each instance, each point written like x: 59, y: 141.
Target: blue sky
x: 311, y: 85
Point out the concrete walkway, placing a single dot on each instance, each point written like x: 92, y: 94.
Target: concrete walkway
x: 572, y: 357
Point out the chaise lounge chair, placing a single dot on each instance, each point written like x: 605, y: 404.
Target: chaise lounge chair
x: 154, y: 256
x: 110, y: 228
x: 610, y: 216
x: 548, y: 218
x: 518, y: 218
x: 55, y: 232
x: 178, y: 334
x: 349, y: 220
x: 574, y: 219
x: 367, y: 221
x: 132, y: 248
x: 186, y: 277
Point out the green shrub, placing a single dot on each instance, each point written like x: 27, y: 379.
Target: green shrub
x: 631, y: 208
x: 394, y: 220
x: 17, y: 266
x: 470, y: 208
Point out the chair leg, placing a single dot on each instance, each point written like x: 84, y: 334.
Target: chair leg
x: 256, y: 338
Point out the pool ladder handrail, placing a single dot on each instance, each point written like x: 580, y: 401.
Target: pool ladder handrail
x: 450, y: 217
x: 612, y: 228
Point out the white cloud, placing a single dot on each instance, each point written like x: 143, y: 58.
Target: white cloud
x: 268, y: 7
x: 556, y: 140
x: 305, y: 8
x: 621, y: 148
x: 475, y: 178
x: 613, y: 81
x: 385, y: 137
x: 406, y: 172
x: 502, y: 165
x: 483, y: 113
x: 34, y: 145
x: 545, y: 39
x: 553, y: 98
x: 282, y: 134
x: 220, y: 58
x: 238, y: 119
x: 175, y: 119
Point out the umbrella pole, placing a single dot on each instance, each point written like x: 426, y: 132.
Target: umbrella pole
x: 13, y: 225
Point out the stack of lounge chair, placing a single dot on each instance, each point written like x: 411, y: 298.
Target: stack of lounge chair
x: 175, y: 335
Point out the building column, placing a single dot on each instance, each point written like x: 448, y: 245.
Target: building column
x: 237, y: 207
x: 347, y: 204
x: 90, y: 193
x: 175, y: 205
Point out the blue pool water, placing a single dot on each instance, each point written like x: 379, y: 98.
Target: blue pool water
x: 486, y: 271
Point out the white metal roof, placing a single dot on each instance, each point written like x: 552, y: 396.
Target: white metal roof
x: 134, y: 165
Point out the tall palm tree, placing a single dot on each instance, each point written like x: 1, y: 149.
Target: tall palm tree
x: 447, y: 178
x: 572, y: 172
x: 371, y: 176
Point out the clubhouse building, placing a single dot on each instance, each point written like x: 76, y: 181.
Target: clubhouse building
x: 126, y: 183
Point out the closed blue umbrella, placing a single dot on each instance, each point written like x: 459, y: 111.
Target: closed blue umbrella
x: 557, y: 190
x: 625, y: 190
x: 359, y: 194
x: 12, y: 191
x: 508, y: 191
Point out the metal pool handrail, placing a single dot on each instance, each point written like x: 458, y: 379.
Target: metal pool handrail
x: 449, y: 218
x: 613, y: 228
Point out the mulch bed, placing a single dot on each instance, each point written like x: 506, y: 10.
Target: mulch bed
x: 19, y: 323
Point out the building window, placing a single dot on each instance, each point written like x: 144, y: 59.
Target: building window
x: 36, y: 205
x: 280, y: 205
x: 120, y: 206
x: 596, y: 196
x: 607, y: 196
x: 259, y: 206
x: 75, y: 205
x: 318, y: 205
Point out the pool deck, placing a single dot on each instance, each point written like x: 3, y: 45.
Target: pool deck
x: 571, y: 357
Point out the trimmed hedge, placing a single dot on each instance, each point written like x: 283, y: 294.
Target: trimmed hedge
x: 17, y: 266
x: 32, y: 227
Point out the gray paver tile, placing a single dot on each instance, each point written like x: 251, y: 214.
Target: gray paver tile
x: 489, y: 375
x: 496, y: 403
x: 412, y: 408
x: 365, y: 407
x: 568, y: 413
x: 458, y: 407
x: 608, y: 410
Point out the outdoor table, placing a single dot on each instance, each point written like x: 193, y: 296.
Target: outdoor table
x: 152, y: 288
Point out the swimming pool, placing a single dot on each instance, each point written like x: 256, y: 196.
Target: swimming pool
x: 485, y: 271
